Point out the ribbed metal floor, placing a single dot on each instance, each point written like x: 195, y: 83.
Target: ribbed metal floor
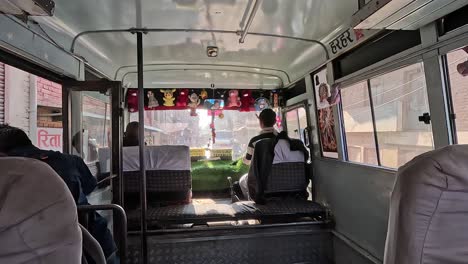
x: 288, y: 244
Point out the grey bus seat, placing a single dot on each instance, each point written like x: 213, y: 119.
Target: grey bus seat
x: 429, y: 210
x: 278, y: 169
x: 38, y: 216
x: 91, y: 248
x: 167, y: 171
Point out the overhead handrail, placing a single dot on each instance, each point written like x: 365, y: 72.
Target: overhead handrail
x: 210, y: 65
x: 250, y: 20
x: 237, y: 32
x: 203, y: 69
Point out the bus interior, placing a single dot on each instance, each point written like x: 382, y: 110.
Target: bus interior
x: 366, y: 86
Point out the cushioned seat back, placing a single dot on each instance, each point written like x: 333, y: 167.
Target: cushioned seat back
x: 167, y: 172
x: 428, y: 218
x: 38, y: 216
x: 278, y: 169
x: 288, y: 172
x: 91, y: 249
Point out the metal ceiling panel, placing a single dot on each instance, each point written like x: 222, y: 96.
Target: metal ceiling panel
x: 18, y: 39
x: 303, y: 18
x: 430, y: 12
x: 111, y: 51
x: 307, y: 20
x: 404, y: 14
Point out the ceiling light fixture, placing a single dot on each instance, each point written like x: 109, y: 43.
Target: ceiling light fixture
x: 28, y: 7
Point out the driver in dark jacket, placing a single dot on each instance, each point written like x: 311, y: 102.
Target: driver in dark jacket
x: 73, y: 171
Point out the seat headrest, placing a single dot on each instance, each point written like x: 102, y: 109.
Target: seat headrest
x: 158, y: 158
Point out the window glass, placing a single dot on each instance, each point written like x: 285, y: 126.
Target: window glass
x: 296, y: 121
x: 399, y: 98
x: 302, y: 115
x: 458, y: 74
x: 357, y: 118
x: 292, y: 124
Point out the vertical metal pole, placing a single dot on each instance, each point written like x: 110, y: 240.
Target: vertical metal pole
x: 141, y: 118
x: 115, y: 143
x: 66, y: 118
x: 376, y: 137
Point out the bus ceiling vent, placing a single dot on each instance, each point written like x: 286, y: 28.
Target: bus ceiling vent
x: 27, y: 7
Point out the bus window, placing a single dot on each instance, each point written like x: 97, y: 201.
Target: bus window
x: 292, y: 124
x: 457, y: 62
x: 399, y: 98
x: 91, y: 126
x: 296, y: 123
x: 357, y: 118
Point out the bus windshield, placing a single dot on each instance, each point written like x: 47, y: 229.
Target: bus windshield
x: 232, y: 129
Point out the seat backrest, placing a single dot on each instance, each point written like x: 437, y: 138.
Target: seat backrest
x: 428, y: 215
x: 167, y: 172
x: 45, y: 229
x: 288, y: 172
x: 278, y: 169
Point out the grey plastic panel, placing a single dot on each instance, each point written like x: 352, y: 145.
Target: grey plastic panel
x: 358, y: 197
x: 18, y: 39
x: 346, y: 255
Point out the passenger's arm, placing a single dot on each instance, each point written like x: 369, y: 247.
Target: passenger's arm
x: 88, y: 181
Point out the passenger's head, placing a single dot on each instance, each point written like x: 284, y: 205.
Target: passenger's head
x: 323, y: 92
x: 132, y: 130
x: 12, y: 137
x: 267, y: 118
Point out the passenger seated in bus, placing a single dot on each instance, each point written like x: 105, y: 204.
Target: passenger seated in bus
x: 45, y: 229
x: 92, y: 147
x: 72, y: 169
x: 267, y: 119
x: 279, y: 170
x: 131, y: 138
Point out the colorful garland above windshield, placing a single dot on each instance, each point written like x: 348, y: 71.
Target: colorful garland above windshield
x: 210, y: 99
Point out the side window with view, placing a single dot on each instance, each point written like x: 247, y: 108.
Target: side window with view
x: 457, y: 66
x: 296, y: 123
x: 382, y: 118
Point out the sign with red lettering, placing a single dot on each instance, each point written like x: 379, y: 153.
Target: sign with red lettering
x: 50, y: 138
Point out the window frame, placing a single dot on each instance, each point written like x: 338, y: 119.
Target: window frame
x: 367, y: 79
x: 374, y: 129
x: 448, y: 86
x: 295, y: 107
